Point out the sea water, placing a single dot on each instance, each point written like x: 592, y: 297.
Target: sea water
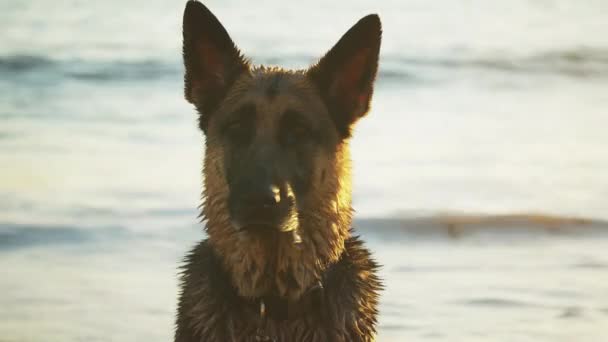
x: 497, y: 111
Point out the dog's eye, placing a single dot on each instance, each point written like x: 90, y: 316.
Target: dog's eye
x: 236, y: 130
x: 301, y: 131
x: 239, y: 126
x: 233, y: 125
x: 297, y: 134
x: 295, y: 129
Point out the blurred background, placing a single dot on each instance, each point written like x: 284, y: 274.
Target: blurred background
x: 480, y: 175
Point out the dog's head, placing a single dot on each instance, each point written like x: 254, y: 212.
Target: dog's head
x: 276, y: 158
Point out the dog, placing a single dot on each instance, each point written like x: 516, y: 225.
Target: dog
x: 280, y: 261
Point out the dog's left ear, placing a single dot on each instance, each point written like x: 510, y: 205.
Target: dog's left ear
x: 345, y: 75
x: 211, y: 59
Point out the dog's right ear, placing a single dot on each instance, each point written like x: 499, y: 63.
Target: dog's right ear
x: 211, y: 59
x: 345, y: 75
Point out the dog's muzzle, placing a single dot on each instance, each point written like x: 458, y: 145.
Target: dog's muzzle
x: 254, y: 207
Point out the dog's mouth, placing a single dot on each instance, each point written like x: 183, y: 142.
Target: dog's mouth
x: 270, y: 222
x: 261, y: 226
x: 258, y: 216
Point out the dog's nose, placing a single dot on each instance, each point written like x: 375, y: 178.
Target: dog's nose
x: 265, y: 197
x: 258, y: 207
x: 255, y: 206
x: 276, y: 195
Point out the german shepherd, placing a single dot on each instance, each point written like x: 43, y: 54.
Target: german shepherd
x: 280, y: 262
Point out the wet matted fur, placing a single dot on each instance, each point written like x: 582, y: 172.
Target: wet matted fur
x: 283, y: 267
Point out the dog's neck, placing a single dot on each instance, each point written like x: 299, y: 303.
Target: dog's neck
x: 273, y: 265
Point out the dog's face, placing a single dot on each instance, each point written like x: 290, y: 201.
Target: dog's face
x: 276, y: 140
x: 273, y: 140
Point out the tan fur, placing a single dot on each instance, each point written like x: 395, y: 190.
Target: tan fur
x: 295, y: 127
x: 255, y: 263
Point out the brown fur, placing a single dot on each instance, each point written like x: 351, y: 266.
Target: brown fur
x: 227, y: 275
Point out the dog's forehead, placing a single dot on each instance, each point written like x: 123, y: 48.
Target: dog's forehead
x: 276, y: 90
x: 273, y: 81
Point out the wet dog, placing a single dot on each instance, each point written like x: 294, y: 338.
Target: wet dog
x: 280, y: 262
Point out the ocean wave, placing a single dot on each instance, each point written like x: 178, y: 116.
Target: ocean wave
x: 88, y: 70
x: 578, y: 63
x: 13, y: 236
x: 587, y: 62
x: 462, y: 225
x: 498, y: 303
x: 22, y: 63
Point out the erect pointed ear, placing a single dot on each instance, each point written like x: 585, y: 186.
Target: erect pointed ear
x: 345, y: 75
x: 211, y: 59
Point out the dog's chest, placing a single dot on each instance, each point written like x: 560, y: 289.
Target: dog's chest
x: 344, y: 309
x: 318, y: 316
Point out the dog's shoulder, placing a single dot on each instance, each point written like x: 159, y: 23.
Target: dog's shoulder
x: 357, y: 264
x: 205, y: 292
x: 200, y: 259
x: 202, y: 274
x: 359, y: 255
x: 353, y: 288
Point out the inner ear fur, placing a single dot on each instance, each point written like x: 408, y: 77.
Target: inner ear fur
x: 211, y: 59
x: 345, y: 75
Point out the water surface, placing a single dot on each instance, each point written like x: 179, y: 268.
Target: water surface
x: 481, y: 108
